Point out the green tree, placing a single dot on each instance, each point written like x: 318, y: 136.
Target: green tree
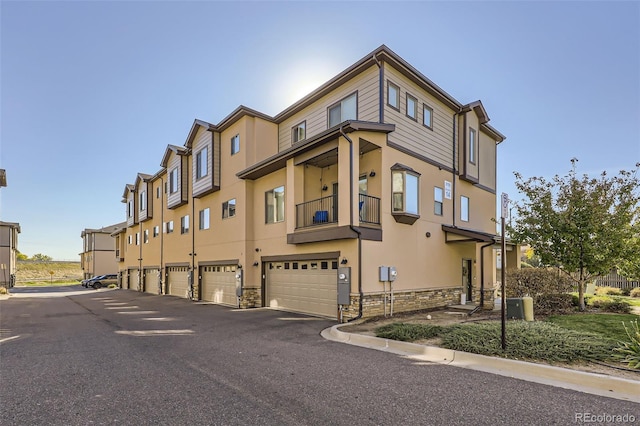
x: 580, y: 224
x: 21, y: 256
x: 41, y: 257
x: 629, y: 266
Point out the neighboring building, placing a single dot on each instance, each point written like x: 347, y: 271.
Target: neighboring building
x: 378, y: 167
x: 98, y: 250
x: 8, y: 252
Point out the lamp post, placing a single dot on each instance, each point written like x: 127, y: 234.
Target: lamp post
x: 503, y: 263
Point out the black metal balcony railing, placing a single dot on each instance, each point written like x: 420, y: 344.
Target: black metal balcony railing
x: 369, y: 209
x: 325, y: 210
x: 317, y: 212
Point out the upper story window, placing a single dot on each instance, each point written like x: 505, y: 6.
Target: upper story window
x: 405, y: 192
x: 412, y: 107
x: 235, y: 144
x: 184, y: 224
x: 204, y: 219
x: 464, y: 208
x: 472, y: 146
x: 158, y: 192
x: 274, y: 205
x: 299, y: 132
x: 393, y: 95
x: 229, y: 208
x: 143, y: 200
x: 137, y: 238
x: 202, y: 163
x: 173, y: 181
x: 346, y: 109
x: 129, y: 239
x: 427, y: 116
x: 130, y: 208
x: 169, y: 227
x: 437, y: 201
x: 145, y: 236
x: 156, y: 231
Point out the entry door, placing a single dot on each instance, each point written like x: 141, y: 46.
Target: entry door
x: 467, y: 281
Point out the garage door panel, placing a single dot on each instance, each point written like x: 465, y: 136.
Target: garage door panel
x: 219, y: 284
x: 151, y: 279
x: 133, y: 279
x: 178, y: 281
x: 303, y: 287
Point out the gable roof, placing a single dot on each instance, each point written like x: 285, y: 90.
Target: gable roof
x: 172, y: 149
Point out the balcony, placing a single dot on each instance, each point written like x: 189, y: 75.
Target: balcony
x: 317, y: 212
x: 324, y: 211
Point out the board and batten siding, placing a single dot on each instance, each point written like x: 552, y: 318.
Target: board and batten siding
x: 211, y: 181
x: 131, y: 199
x: 147, y: 213
x: 179, y: 197
x: 413, y: 135
x: 315, y: 115
x: 487, y: 160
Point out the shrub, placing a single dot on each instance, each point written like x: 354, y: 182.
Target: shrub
x: 635, y: 292
x: 534, y: 281
x: 629, y: 352
x: 575, y: 300
x: 554, y: 303
x: 609, y: 304
x: 604, y: 291
x: 408, y: 332
x: 626, y: 291
x: 3, y: 290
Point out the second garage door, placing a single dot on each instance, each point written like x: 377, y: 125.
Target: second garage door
x: 151, y: 278
x: 219, y: 284
x: 133, y: 280
x: 178, y: 280
x: 308, y: 286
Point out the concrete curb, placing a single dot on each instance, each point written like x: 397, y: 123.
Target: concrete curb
x: 592, y: 383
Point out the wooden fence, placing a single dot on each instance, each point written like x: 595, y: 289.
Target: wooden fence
x: 614, y: 280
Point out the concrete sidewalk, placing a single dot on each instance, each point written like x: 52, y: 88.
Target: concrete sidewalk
x: 597, y: 384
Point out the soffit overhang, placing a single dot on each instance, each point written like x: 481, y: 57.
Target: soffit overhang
x: 279, y: 161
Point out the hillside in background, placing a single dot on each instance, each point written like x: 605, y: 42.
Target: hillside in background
x: 38, y: 271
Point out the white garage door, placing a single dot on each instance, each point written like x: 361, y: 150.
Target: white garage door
x: 133, y: 279
x: 151, y: 277
x: 178, y: 280
x: 308, y: 286
x: 219, y: 284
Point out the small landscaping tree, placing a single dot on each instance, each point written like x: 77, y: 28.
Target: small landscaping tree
x: 582, y: 225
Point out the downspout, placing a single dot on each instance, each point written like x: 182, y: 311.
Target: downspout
x: 193, y: 243
x: 161, y: 272
x: 140, y: 241
x: 453, y: 172
x: 381, y: 88
x: 353, y: 228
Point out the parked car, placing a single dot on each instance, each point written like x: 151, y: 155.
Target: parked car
x: 103, y: 281
x: 86, y: 281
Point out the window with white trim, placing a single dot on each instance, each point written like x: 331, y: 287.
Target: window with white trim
x: 143, y: 201
x: 184, y: 224
x: 229, y: 208
x: 235, y: 144
x: 393, y: 95
x: 173, y: 181
x: 438, y: 201
x: 299, y: 132
x: 472, y: 146
x: 156, y: 231
x: 274, y: 205
x: 202, y: 164
x: 412, y: 107
x: 204, y: 219
x: 405, y: 192
x: 145, y: 236
x: 464, y: 208
x: 346, y: 109
x: 427, y: 116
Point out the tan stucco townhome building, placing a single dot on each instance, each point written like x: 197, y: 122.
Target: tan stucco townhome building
x: 8, y: 253
x: 299, y: 211
x: 98, y: 249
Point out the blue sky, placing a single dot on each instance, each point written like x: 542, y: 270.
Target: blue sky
x: 92, y: 92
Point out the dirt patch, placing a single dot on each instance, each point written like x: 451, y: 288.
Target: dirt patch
x: 450, y: 317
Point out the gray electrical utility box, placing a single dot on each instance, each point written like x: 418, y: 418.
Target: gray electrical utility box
x: 344, y: 285
x: 383, y: 272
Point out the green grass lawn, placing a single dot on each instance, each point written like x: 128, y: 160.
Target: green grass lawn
x: 606, y: 325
